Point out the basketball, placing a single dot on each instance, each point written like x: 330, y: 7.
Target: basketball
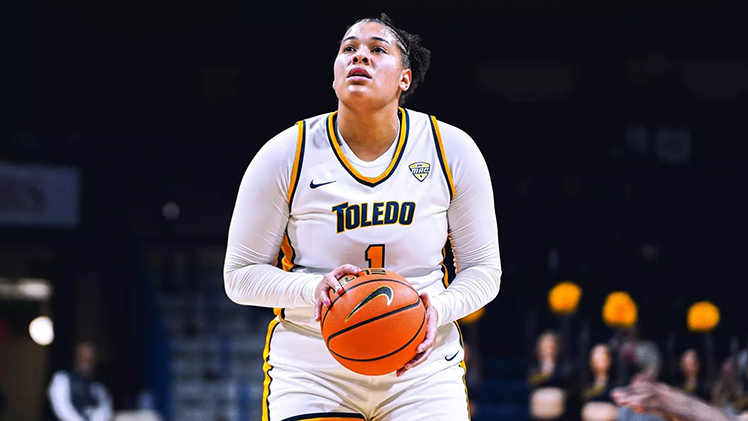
x: 376, y: 323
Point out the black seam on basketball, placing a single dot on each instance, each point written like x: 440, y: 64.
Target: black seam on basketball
x: 322, y: 325
x: 325, y: 415
x: 373, y: 319
x: 423, y: 321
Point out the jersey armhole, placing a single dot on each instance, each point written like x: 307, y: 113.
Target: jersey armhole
x: 442, y: 157
x: 297, y: 162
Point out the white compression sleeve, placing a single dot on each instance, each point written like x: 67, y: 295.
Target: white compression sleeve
x: 257, y: 229
x: 473, y: 230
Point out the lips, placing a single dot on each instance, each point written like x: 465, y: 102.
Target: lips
x: 359, y: 72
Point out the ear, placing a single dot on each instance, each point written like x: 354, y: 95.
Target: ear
x: 405, y: 79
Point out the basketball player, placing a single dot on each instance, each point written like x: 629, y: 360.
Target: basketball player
x: 370, y: 185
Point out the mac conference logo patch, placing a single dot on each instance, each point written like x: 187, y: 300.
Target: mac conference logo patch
x: 420, y: 170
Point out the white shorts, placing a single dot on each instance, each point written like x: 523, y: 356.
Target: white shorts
x: 304, y: 382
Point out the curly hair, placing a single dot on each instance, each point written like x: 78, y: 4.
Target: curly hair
x: 416, y: 57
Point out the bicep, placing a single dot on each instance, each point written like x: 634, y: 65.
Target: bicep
x: 261, y: 211
x: 473, y: 228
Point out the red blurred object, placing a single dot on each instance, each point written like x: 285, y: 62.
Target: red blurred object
x: 4, y: 331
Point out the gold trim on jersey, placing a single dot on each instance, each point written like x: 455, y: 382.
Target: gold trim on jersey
x: 266, y: 367
x: 464, y: 367
x: 445, y: 279
x: 369, y: 181
x: 442, y: 156
x: 288, y: 254
x: 464, y: 381
x: 297, y: 161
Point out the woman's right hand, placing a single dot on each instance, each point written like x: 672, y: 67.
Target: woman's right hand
x: 330, y: 281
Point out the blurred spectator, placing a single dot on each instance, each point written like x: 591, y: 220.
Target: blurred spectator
x: 639, y: 360
x: 75, y: 395
x: 726, y: 392
x: 547, y: 379
x: 691, y: 381
x: 546, y: 372
x: 664, y: 402
x: 596, y: 400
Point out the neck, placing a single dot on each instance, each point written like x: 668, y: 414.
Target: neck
x: 368, y: 133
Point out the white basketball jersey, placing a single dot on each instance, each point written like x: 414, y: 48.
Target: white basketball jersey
x: 397, y: 220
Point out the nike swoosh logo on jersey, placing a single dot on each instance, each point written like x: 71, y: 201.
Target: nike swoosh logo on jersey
x: 314, y: 186
x: 452, y: 357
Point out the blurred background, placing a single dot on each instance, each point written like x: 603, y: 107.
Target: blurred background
x: 128, y: 126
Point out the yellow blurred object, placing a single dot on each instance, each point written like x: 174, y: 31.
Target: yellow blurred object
x: 619, y: 310
x: 703, y: 317
x: 564, y: 298
x: 472, y: 317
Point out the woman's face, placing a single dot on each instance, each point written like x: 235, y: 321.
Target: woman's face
x: 689, y: 363
x: 547, y: 347
x: 600, y: 359
x: 368, y: 69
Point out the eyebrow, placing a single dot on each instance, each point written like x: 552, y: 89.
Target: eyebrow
x: 374, y: 38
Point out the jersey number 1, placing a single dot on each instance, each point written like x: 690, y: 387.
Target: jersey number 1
x: 375, y: 255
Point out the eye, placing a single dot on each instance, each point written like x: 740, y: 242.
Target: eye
x: 378, y: 49
x: 348, y: 49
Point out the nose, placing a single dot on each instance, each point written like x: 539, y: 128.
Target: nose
x: 360, y: 57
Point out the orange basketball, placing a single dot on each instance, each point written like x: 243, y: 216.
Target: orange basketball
x: 376, y: 323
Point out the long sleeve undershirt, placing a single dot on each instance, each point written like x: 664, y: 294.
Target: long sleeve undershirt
x: 261, y: 214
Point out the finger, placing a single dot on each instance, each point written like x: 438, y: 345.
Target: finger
x: 428, y: 341
x: 426, y: 300
x: 321, y: 292
x: 332, y: 283
x: 346, y: 269
x: 416, y: 361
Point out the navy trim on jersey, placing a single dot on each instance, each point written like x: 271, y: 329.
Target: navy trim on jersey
x: 318, y: 415
x: 300, y: 163
x: 441, y: 158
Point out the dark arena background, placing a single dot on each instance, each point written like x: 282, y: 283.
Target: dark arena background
x: 612, y: 131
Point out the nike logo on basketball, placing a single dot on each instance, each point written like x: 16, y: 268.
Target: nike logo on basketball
x: 314, y: 186
x: 452, y: 357
x: 385, y: 290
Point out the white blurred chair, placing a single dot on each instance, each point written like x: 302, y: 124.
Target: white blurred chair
x: 547, y: 403
x: 599, y: 411
x: 143, y: 415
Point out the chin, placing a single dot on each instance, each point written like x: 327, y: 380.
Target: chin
x: 358, y: 97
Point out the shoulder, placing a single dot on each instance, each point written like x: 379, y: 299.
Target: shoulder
x: 453, y: 137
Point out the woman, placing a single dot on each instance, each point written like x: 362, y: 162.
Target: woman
x: 597, y: 403
x: 691, y: 382
x: 370, y: 185
x: 547, y: 380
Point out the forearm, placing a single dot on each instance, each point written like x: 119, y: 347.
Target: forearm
x: 264, y: 285
x: 471, y: 289
x: 686, y: 408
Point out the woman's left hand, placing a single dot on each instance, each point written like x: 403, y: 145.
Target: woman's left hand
x: 424, y: 349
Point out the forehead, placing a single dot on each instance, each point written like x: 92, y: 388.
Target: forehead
x: 366, y: 30
x: 600, y: 349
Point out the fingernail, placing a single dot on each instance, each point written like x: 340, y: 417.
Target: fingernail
x: 326, y: 301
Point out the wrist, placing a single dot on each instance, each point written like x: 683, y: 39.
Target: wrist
x: 438, y: 307
x: 310, y: 288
